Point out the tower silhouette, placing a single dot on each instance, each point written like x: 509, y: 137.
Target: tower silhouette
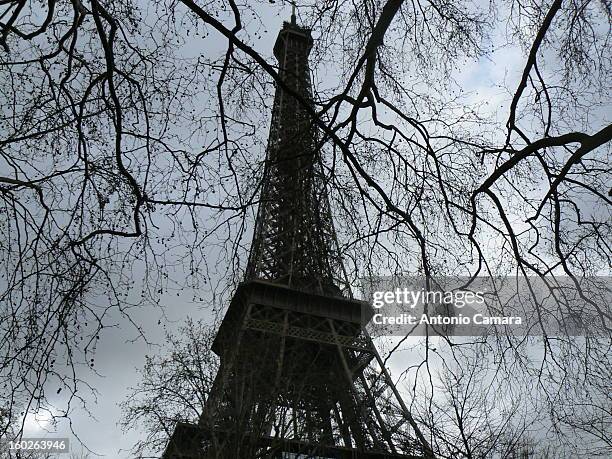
x: 299, y: 376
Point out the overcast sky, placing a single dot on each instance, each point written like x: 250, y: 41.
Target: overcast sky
x: 118, y: 356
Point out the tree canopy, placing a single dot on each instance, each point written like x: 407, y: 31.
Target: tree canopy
x: 133, y: 140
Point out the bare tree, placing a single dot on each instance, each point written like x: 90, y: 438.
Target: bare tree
x: 174, y: 386
x: 124, y: 154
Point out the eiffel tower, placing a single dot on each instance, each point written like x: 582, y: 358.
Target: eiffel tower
x: 299, y: 376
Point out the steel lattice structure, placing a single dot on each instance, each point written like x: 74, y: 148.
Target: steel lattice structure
x: 294, y: 242
x: 299, y: 376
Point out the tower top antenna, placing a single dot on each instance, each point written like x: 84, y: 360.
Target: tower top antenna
x: 292, y: 12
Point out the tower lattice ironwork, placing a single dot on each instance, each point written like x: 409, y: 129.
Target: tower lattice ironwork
x: 299, y: 376
x: 294, y: 242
